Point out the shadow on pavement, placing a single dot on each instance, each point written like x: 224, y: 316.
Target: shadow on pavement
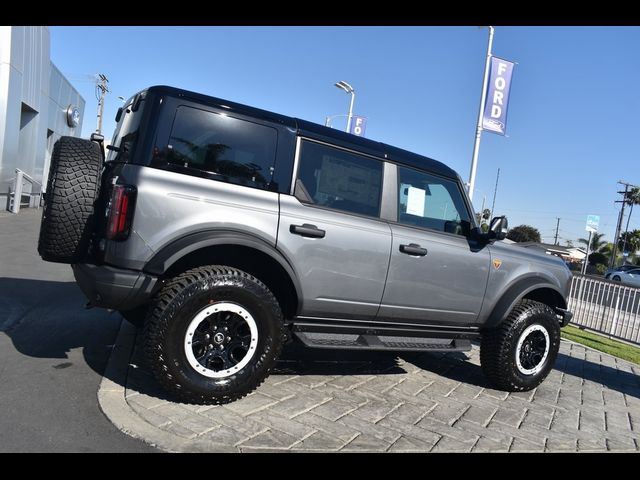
x: 610, y: 377
x: 47, y: 319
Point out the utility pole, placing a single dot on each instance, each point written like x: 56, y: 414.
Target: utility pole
x: 555, y: 242
x: 102, y: 86
x: 612, y: 260
x: 483, y: 99
x: 495, y: 191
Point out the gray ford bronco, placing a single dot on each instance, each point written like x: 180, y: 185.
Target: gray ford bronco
x: 225, y: 231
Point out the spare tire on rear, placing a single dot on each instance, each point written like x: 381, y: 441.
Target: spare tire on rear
x: 72, y: 191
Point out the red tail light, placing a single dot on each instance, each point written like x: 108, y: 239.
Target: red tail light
x: 120, y: 212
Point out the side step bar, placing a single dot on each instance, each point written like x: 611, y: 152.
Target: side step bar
x: 381, y: 342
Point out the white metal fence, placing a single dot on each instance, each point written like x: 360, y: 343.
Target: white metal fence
x: 605, y: 306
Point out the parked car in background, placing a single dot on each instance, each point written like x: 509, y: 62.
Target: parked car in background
x: 630, y: 277
x: 621, y: 268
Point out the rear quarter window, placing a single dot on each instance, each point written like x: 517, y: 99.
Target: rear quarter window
x: 220, y: 147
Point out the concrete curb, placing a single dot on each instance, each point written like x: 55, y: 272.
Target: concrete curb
x: 113, y: 403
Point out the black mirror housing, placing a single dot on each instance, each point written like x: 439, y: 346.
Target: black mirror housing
x: 498, y: 228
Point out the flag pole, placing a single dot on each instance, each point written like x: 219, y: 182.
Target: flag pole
x: 483, y: 99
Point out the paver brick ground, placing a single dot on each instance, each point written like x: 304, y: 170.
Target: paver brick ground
x: 323, y: 400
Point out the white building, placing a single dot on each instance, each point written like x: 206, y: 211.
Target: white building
x: 38, y: 105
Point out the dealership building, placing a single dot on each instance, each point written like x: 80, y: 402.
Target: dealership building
x: 38, y: 105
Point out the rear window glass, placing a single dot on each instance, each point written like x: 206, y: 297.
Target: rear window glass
x: 125, y: 136
x: 220, y: 147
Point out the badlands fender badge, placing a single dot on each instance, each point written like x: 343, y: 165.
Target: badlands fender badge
x: 496, y: 263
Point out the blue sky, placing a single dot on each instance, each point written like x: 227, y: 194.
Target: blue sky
x: 574, y: 111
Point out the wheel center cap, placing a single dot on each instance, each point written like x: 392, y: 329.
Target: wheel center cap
x: 218, y: 338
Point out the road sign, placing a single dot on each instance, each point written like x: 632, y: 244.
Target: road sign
x: 592, y: 223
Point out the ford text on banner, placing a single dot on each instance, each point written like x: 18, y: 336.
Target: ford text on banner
x: 494, y: 118
x: 358, y: 125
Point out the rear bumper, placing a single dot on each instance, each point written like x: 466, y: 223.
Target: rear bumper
x: 114, y: 288
x: 566, y: 316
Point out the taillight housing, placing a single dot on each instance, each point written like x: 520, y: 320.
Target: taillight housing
x: 120, y: 212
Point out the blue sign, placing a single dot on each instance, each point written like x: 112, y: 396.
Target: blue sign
x: 494, y: 117
x: 358, y: 125
x: 592, y: 223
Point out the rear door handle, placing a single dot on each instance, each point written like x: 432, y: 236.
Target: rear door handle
x: 307, y: 230
x: 413, y: 249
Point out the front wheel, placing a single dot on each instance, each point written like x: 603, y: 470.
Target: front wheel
x: 518, y: 355
x: 213, y: 335
x: 616, y: 278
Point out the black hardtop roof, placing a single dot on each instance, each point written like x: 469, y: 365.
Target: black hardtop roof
x: 317, y: 131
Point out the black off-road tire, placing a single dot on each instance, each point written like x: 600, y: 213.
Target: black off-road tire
x: 173, y: 309
x: 136, y: 316
x: 72, y: 189
x: 498, y: 347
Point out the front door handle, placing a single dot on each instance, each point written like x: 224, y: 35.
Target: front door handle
x: 413, y: 249
x: 307, y: 230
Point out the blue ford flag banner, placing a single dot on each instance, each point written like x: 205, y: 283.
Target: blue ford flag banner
x: 494, y: 118
x: 358, y: 125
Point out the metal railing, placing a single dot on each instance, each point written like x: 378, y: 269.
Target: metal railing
x: 605, y: 306
x: 20, y: 178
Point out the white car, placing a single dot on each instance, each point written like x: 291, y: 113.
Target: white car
x: 621, y: 268
x: 630, y: 277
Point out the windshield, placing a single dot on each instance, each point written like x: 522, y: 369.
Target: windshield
x: 126, y: 133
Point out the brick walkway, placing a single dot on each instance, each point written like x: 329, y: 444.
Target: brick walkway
x: 319, y: 400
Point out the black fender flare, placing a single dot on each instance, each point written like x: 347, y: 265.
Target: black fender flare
x: 177, y: 249
x: 517, y: 292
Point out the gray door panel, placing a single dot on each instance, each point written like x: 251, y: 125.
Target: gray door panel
x: 445, y: 285
x: 341, y: 273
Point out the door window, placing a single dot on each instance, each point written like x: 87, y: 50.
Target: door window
x: 429, y: 201
x: 334, y: 178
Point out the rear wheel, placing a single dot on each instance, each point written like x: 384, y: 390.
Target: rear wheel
x: 518, y: 355
x: 616, y: 278
x: 213, y: 335
x: 72, y: 189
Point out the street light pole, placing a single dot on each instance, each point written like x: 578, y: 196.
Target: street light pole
x: 349, y: 89
x: 483, y: 99
x: 353, y: 96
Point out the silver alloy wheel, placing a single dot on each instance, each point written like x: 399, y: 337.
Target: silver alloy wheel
x: 532, y: 349
x: 221, y: 340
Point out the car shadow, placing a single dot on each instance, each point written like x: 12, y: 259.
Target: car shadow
x: 47, y: 319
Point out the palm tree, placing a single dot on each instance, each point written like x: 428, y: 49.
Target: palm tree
x: 629, y: 241
x: 632, y: 198
x: 596, y: 242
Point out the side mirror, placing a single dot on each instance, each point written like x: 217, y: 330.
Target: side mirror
x: 498, y: 228
x: 118, y: 114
